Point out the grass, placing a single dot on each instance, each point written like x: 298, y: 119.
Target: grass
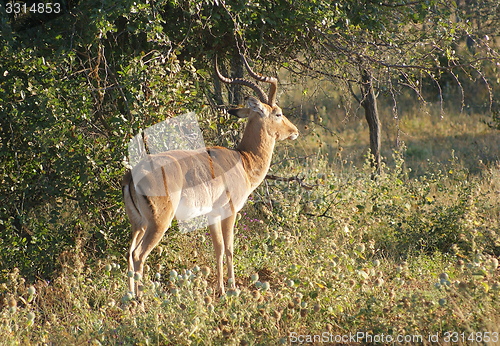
x: 411, y: 254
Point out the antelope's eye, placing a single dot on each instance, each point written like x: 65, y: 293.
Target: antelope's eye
x: 279, y: 114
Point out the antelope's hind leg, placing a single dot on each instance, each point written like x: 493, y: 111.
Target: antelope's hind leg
x: 155, y: 229
x: 137, y: 235
x: 138, y: 224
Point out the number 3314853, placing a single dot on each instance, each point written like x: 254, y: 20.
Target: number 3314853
x: 17, y: 7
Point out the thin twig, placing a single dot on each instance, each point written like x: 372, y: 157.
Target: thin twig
x: 295, y: 178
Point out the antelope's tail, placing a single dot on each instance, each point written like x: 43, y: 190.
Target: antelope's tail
x: 130, y: 199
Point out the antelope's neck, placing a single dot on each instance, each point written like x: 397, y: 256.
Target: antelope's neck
x: 256, y: 151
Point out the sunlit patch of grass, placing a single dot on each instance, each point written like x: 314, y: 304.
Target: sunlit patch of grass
x: 430, y: 134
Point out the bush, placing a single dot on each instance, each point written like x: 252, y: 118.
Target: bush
x: 69, y: 106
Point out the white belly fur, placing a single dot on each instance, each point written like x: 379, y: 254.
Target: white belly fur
x: 186, y: 211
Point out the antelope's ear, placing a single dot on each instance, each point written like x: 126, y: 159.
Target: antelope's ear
x: 253, y: 105
x: 256, y: 106
x: 240, y: 112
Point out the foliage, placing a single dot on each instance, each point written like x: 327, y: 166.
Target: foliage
x: 401, y: 44
x: 70, y: 104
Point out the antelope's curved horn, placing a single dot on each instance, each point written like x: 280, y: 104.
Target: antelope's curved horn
x: 271, y: 80
x: 262, y: 96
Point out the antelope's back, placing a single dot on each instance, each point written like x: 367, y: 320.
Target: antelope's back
x: 196, y: 182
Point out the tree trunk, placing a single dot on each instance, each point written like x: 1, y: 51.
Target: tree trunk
x: 236, y: 96
x: 219, y: 101
x: 369, y: 103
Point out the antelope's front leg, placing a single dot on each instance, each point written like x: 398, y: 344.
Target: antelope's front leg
x: 218, y: 242
x: 228, y: 235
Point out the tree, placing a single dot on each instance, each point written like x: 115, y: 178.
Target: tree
x: 378, y: 46
x: 388, y: 46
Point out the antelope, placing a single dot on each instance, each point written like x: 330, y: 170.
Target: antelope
x: 215, y: 181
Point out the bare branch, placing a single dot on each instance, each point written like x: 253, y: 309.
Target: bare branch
x: 401, y: 5
x: 296, y: 178
x: 120, y: 89
x: 322, y: 73
x: 363, y: 57
x: 97, y: 103
x: 353, y: 93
